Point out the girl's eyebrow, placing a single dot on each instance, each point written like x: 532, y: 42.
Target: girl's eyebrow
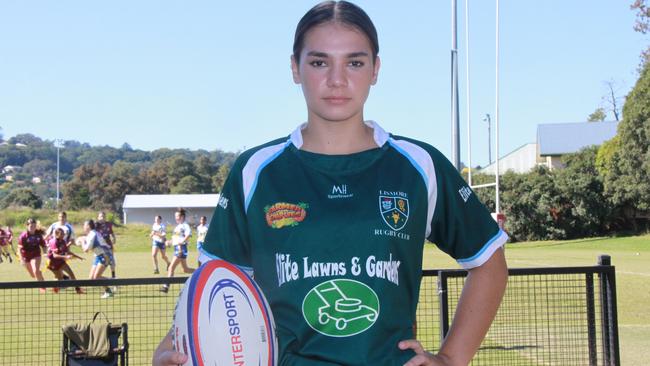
x: 349, y: 55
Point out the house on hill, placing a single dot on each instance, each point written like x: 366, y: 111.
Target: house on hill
x: 553, y: 141
x: 141, y: 208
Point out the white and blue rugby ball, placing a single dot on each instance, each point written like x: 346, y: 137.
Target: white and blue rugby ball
x: 222, y: 318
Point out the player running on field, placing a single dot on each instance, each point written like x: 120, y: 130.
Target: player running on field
x: 158, y: 237
x: 30, y: 244
x: 103, y: 257
x: 180, y: 239
x: 105, y: 229
x: 58, y: 253
x: 5, y: 244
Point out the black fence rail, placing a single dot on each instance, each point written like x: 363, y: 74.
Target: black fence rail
x: 549, y: 316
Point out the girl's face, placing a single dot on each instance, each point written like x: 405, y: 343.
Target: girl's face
x: 179, y: 218
x: 58, y: 234
x: 202, y: 221
x: 31, y: 227
x: 86, y: 228
x: 156, y: 220
x: 336, y: 71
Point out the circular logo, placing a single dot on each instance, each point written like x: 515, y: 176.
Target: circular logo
x: 341, y: 308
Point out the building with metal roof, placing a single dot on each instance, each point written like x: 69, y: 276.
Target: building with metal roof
x: 141, y: 208
x: 557, y: 139
x: 553, y: 141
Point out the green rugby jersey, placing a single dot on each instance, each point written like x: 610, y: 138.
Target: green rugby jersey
x: 336, y: 241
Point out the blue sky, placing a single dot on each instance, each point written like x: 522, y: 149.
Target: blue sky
x: 215, y: 75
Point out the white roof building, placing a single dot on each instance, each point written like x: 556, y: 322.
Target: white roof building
x: 141, y: 208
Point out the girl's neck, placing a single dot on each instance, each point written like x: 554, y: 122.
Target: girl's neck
x: 337, y: 138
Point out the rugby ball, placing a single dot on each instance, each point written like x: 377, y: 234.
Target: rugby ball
x: 222, y: 318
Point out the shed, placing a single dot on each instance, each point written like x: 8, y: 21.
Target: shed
x: 141, y: 208
x: 557, y: 139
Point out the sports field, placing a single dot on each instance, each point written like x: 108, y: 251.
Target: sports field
x: 630, y: 255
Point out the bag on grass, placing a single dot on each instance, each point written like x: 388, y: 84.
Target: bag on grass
x: 91, y: 338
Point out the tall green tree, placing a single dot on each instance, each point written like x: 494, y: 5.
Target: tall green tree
x: 628, y: 182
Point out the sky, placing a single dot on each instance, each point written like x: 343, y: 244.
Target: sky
x: 216, y: 74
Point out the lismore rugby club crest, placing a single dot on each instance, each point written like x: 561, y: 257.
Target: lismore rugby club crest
x: 394, y: 208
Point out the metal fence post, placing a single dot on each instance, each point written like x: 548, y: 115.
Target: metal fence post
x: 591, y: 320
x: 609, y: 311
x: 443, y: 296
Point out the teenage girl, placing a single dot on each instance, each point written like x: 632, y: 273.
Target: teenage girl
x: 180, y: 240
x: 158, y: 237
x: 30, y: 244
x: 349, y: 206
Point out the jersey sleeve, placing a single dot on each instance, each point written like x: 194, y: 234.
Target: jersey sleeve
x: 461, y: 225
x: 227, y: 236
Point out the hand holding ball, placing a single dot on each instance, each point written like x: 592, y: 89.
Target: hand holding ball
x: 222, y: 318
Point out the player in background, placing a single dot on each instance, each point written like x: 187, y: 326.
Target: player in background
x: 201, y: 232
x: 158, y: 237
x: 58, y: 253
x: 5, y: 243
x: 103, y: 256
x: 105, y: 229
x: 180, y: 239
x: 30, y: 244
x: 63, y: 224
x: 10, y: 239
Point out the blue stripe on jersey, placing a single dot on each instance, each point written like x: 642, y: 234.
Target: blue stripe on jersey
x: 254, y: 166
x: 423, y: 163
x: 486, y: 251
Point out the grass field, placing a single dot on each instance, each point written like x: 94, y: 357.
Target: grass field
x: 630, y: 255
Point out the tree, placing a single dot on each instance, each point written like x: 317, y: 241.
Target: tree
x: 188, y: 184
x: 598, y: 115
x: 220, y: 178
x: 642, y: 24
x: 21, y: 197
x: 627, y: 182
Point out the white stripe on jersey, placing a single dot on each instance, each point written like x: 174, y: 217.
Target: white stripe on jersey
x: 423, y: 163
x: 486, y: 252
x: 254, y: 166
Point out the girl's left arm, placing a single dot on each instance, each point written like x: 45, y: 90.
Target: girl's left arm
x: 477, y: 307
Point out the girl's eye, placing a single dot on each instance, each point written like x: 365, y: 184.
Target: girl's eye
x: 318, y: 63
x: 356, y: 63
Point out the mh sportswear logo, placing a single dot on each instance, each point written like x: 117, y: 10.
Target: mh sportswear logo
x: 341, y: 308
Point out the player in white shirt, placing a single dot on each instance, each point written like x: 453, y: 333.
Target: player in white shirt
x: 158, y: 237
x: 201, y: 232
x: 68, y: 232
x: 103, y: 256
x: 180, y: 239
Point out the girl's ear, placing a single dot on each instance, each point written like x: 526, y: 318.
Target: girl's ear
x: 375, y: 72
x: 294, y: 70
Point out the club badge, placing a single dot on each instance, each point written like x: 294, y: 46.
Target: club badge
x: 394, y: 210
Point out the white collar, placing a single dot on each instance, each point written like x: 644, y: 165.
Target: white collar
x: 379, y: 134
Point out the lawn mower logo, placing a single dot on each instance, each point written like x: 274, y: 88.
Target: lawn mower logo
x: 341, y: 308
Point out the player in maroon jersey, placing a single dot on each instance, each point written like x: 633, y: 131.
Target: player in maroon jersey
x: 30, y: 244
x: 58, y: 252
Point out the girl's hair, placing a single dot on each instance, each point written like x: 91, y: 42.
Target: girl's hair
x: 91, y: 224
x: 159, y: 217
x: 181, y: 211
x: 204, y: 218
x: 31, y: 221
x: 341, y: 12
x: 58, y: 231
